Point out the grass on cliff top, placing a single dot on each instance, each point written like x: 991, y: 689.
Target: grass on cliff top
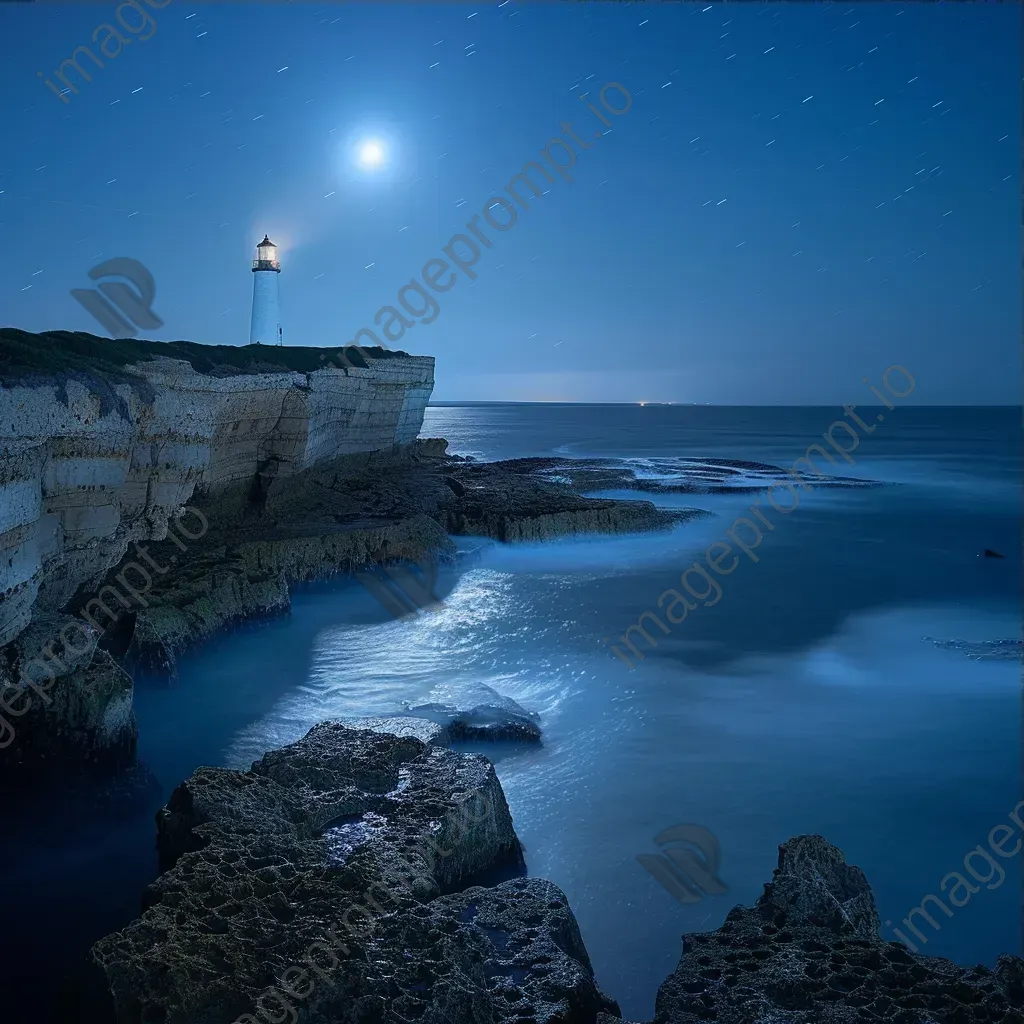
x: 25, y: 355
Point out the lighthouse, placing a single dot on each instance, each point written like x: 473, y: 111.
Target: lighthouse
x: 266, y: 309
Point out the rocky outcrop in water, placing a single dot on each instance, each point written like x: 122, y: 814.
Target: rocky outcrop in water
x: 337, y: 876
x: 295, y: 464
x: 382, y: 507
x: 360, y: 876
x: 76, y: 716
x: 495, y: 718
x: 669, y: 475
x: 238, y: 549
x: 809, y: 952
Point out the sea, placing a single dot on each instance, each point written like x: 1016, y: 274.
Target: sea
x: 860, y: 680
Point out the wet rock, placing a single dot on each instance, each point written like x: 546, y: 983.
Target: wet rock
x: 488, y: 723
x: 77, y: 723
x: 356, y: 511
x: 982, y: 650
x: 809, y: 952
x: 253, y: 882
x: 665, y: 475
x: 508, y: 954
x: 509, y: 503
x: 340, y: 879
x: 422, y: 729
x: 494, y: 718
x: 433, y: 448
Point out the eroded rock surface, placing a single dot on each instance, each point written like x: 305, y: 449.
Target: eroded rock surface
x: 352, y: 877
x: 809, y: 952
x: 76, y: 718
x: 350, y: 856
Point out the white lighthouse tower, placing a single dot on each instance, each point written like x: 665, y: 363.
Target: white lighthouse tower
x: 266, y: 309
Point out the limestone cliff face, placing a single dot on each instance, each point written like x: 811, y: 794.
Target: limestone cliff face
x: 87, y: 466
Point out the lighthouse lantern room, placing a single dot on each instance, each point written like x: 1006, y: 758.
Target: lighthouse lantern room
x: 266, y: 314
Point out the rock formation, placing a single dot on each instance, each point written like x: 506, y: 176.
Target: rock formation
x: 153, y: 494
x: 337, y: 876
x: 147, y: 502
x: 351, y: 876
x: 809, y: 952
x: 92, y: 461
x: 101, y: 445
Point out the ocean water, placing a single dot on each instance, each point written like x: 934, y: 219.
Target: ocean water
x: 820, y: 693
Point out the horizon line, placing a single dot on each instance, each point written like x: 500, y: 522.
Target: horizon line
x: 726, y: 405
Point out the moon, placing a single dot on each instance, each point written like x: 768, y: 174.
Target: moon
x: 371, y: 154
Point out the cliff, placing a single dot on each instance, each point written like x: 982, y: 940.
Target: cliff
x: 153, y: 494
x: 95, y: 455
x: 102, y: 443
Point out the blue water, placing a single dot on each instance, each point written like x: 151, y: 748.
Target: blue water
x: 805, y: 700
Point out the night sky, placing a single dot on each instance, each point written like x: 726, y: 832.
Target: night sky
x: 799, y: 196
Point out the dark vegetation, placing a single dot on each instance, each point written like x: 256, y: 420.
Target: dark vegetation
x: 26, y: 357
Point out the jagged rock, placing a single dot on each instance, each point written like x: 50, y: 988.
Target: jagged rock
x: 508, y: 954
x: 809, y: 952
x: 340, y: 878
x: 507, y: 502
x: 346, y: 829
x: 78, y: 722
x: 362, y: 509
x: 228, y: 583
x: 435, y: 448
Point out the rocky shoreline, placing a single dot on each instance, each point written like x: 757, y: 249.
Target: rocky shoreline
x: 401, y: 505
x: 154, y: 495
x: 358, y: 875
x: 368, y: 872
x: 246, y: 546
